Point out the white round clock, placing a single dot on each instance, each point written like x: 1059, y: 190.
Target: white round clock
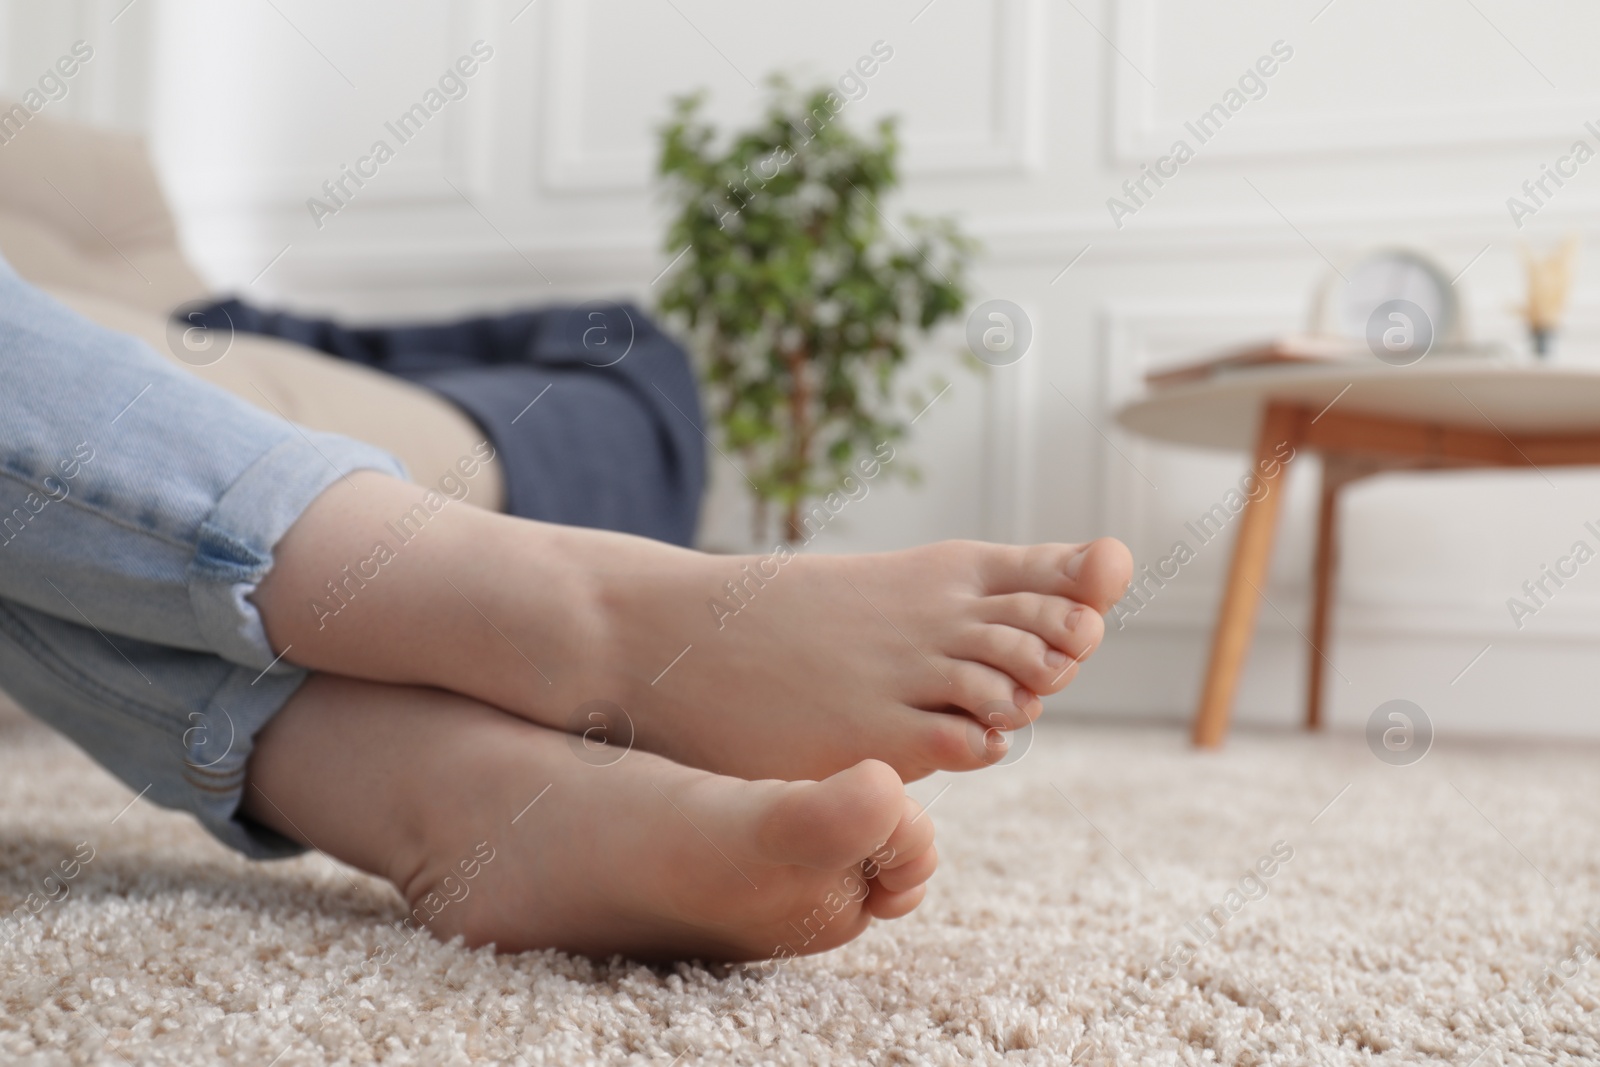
x: 1393, y: 293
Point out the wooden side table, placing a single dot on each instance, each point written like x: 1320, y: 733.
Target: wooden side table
x: 1363, y: 419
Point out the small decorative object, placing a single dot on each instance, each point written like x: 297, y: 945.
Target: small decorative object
x: 1397, y: 301
x: 800, y: 295
x: 1549, y: 283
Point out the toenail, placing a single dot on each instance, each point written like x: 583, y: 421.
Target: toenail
x: 1055, y: 659
x: 979, y: 739
x: 1075, y: 564
x: 1023, y: 697
x: 1074, y: 617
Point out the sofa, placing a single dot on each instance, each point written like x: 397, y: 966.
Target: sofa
x: 82, y: 216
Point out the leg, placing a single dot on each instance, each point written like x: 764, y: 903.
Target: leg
x: 497, y: 831
x: 1327, y: 561
x: 1236, y: 618
x: 789, y: 665
x: 175, y: 726
x: 1338, y: 471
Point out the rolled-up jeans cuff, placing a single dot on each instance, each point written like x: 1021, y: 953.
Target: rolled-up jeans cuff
x: 234, y: 548
x: 217, y: 753
x: 177, y: 727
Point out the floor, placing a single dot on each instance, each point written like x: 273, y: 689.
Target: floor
x: 1433, y: 912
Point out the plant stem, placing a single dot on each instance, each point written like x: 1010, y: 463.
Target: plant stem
x: 758, y: 520
x: 800, y: 436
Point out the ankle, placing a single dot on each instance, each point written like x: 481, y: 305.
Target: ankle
x: 541, y: 604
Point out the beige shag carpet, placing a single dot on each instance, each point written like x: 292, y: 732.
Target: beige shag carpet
x: 1440, y: 912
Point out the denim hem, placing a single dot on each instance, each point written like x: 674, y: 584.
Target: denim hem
x: 234, y: 549
x: 217, y: 752
x: 177, y: 727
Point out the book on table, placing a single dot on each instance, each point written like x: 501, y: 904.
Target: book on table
x: 1294, y: 349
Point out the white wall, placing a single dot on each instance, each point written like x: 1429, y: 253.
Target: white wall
x: 1392, y: 123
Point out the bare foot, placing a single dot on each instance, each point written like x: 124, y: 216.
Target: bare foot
x: 500, y: 831
x: 777, y: 666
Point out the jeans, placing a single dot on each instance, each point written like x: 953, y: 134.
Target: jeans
x: 139, y: 508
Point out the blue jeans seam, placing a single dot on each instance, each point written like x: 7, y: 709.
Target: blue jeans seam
x: 104, y: 516
x: 47, y: 657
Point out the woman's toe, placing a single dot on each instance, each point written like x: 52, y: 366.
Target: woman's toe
x: 883, y: 904
x: 1037, y: 664
x: 942, y: 741
x: 834, y: 823
x: 988, y: 693
x: 1095, y: 574
x: 1099, y: 574
x: 910, y: 874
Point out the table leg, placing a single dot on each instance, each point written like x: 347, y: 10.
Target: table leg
x: 1323, y: 572
x: 1236, y: 618
x: 1338, y: 471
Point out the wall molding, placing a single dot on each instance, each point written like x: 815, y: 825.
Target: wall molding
x: 1139, y: 134
x: 455, y: 145
x: 1014, y: 145
x: 1049, y: 241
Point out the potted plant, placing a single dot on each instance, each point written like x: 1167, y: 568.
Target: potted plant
x: 800, y: 297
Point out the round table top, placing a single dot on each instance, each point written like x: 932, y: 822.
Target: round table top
x: 1223, y: 411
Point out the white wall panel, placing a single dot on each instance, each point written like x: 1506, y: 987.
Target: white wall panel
x: 600, y: 130
x: 1365, y: 77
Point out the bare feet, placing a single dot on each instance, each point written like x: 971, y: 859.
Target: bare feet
x: 500, y: 831
x: 778, y: 666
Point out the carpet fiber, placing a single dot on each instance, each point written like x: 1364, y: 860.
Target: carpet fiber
x: 1101, y: 901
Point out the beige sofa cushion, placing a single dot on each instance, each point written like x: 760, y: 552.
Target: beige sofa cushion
x: 428, y: 434
x: 82, y: 216
x: 81, y: 207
